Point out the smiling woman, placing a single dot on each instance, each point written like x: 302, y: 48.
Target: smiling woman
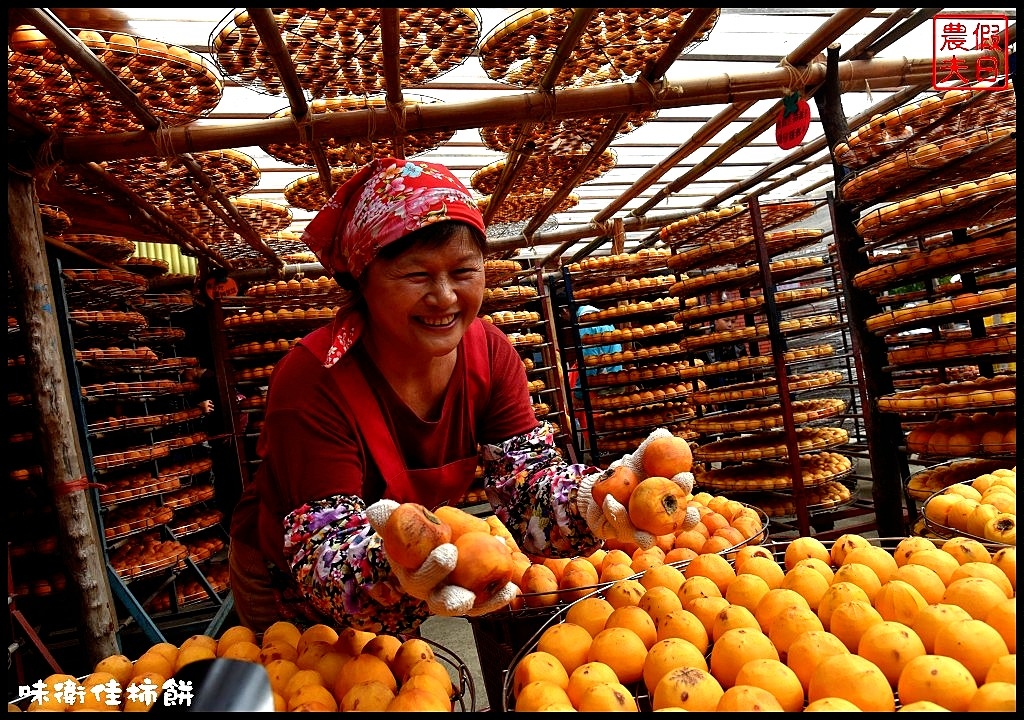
x: 389, y: 404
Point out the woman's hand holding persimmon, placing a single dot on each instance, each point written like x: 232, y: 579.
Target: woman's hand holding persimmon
x: 607, y: 501
x: 422, y: 557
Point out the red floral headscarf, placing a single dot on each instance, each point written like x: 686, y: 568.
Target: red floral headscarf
x: 383, y: 202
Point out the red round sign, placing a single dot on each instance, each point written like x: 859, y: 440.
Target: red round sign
x: 793, y: 121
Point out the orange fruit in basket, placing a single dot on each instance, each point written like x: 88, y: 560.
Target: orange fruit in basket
x: 732, y: 616
x: 590, y: 613
x: 685, y: 625
x: 734, y: 648
x: 152, y: 662
x: 616, y: 571
x: 688, y: 688
x: 622, y: 650
x: 330, y: 665
x: 1005, y: 559
x: 607, y: 697
x: 643, y: 560
x: 312, y: 653
x: 568, y: 642
x: 976, y: 595
x: 362, y: 668
x: 717, y: 544
x: 277, y: 650
x: 807, y: 582
x: 695, y: 587
x: 299, y: 679
x: 850, y: 620
x: 658, y: 601
x: 1003, y: 618
x: 748, y: 698
x: 974, y: 643
x: 900, y: 601
x: 280, y: 672
x: 843, y: 544
x: 383, y: 646
x: 748, y: 527
x: 615, y: 556
x: 539, y: 586
x: 314, y: 633
x: 636, y: 619
x: 775, y: 677
x: 861, y: 575
x: 624, y: 592
x: 714, y: 521
x: 658, y: 506
x: 890, y: 645
x: 994, y: 697
x: 665, y: 576
x: 282, y: 630
x: 586, y: 676
x: 809, y: 650
x: 232, y: 635
x: 924, y: 579
x: 538, y: 665
x: 862, y: 683
x: 436, y: 670
x: 416, y: 699
x: 140, y: 703
x: 679, y: 555
x: 707, y: 609
x: 1003, y: 669
x: 908, y: 546
x: 818, y: 565
x: 746, y: 590
x: 985, y: 570
x: 556, y: 565
x: 966, y: 550
x: 412, y: 651
x: 120, y: 666
x: 667, y: 456
x: 836, y: 594
x: 805, y: 547
x: 692, y: 539
x: 938, y: 679
x: 193, y: 653
x: 942, y: 563
x: 933, y: 618
x: 876, y: 558
x: 367, y: 696
x: 774, y: 602
x: 712, y: 566
x: 578, y: 579
x: 669, y: 654
x: 789, y: 624
x: 764, y: 567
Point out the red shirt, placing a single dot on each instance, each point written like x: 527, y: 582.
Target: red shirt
x: 313, y: 445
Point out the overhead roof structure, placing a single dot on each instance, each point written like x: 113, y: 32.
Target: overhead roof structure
x: 576, y: 125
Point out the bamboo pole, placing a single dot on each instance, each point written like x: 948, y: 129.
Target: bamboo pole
x: 391, y: 45
x: 891, y: 73
x: 62, y: 456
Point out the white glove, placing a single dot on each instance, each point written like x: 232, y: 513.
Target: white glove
x: 427, y: 581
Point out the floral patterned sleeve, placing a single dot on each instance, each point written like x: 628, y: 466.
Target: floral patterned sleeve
x: 533, y: 492
x: 336, y: 559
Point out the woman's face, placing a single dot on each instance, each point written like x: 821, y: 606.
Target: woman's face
x: 422, y: 301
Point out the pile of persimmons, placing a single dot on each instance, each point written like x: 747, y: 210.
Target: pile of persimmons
x: 856, y: 625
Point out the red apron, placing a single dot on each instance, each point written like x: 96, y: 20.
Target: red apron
x: 431, y: 487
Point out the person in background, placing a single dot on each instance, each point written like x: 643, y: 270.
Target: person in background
x: 579, y: 409
x: 387, y: 404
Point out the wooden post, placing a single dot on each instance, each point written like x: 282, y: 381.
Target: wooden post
x: 63, y: 462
